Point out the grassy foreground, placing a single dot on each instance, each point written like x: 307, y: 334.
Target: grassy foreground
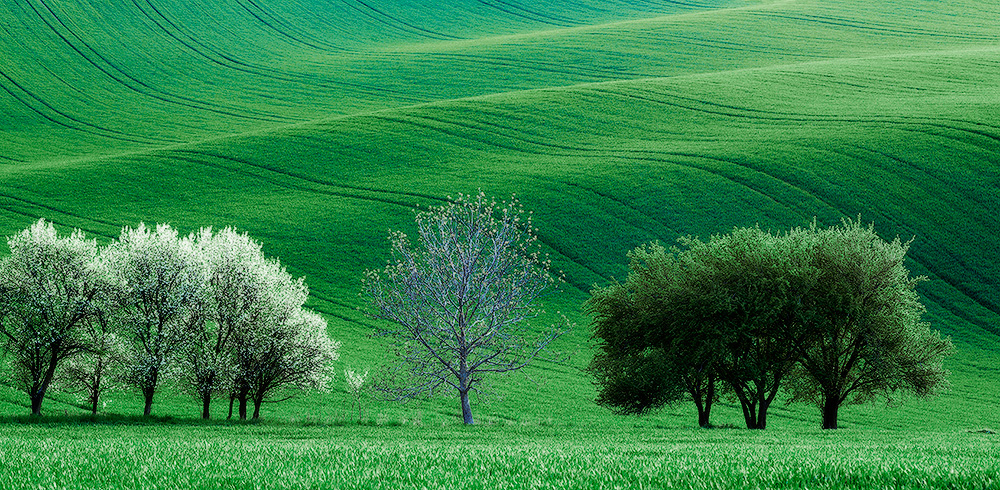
x: 68, y: 455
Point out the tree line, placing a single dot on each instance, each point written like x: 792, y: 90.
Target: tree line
x: 827, y: 315
x: 830, y: 316
x: 207, y: 312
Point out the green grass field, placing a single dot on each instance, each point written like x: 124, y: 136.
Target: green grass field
x: 318, y: 125
x: 274, y: 456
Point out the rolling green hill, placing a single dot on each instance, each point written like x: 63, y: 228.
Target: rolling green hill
x: 317, y: 126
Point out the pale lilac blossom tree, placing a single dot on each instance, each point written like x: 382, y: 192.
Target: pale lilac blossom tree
x: 456, y: 303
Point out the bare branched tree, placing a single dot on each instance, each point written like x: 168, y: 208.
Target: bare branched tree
x: 457, y: 302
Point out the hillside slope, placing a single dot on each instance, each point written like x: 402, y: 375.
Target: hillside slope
x: 617, y: 123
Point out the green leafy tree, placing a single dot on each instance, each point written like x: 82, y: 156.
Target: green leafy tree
x: 711, y: 311
x: 861, y: 332
x: 749, y: 285
x: 457, y: 302
x: 648, y: 356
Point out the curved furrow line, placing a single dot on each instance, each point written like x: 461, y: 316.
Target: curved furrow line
x: 336, y: 304
x: 716, y: 172
x: 947, y: 304
x: 175, y: 31
x: 309, y: 81
x: 56, y: 220
x: 285, y: 30
x: 307, y: 178
x: 992, y: 137
x: 574, y: 258
x: 908, y: 29
x: 12, y: 159
x: 35, y: 216
x: 386, y: 19
x: 501, y: 131
x: 619, y: 202
x: 190, y: 156
x: 985, y: 207
x: 722, y: 44
x: 521, y: 12
x: 152, y: 92
x: 758, y: 114
x: 794, y: 209
x: 538, y: 66
x: 50, y: 208
x: 88, y: 127
x: 755, y: 113
x: 881, y: 29
x: 460, y: 135
x: 285, y: 185
x: 831, y: 79
x: 923, y: 130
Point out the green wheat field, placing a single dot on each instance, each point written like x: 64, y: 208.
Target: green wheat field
x: 317, y: 126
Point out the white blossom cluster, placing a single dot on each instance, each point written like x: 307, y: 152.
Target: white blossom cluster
x: 207, y: 310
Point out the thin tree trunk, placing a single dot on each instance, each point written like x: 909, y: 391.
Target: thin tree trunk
x: 36, y: 402
x: 95, y: 394
x: 464, y: 382
x: 232, y: 398
x: 749, y: 410
x: 206, y: 401
x: 762, y: 417
x: 243, y: 406
x: 705, y: 409
x: 148, y: 395
x: 466, y: 408
x: 38, y: 392
x: 762, y: 403
x: 256, y: 407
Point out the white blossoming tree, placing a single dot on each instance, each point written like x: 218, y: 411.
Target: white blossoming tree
x: 292, y: 354
x: 457, y: 301
x: 357, y: 386
x: 258, y: 338
x: 161, y: 284
x: 48, y: 288
x: 96, y: 370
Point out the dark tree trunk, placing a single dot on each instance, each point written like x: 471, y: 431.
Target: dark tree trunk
x: 466, y: 408
x: 243, y: 406
x: 705, y: 407
x: 95, y: 393
x: 762, y: 417
x: 206, y: 401
x: 464, y: 384
x: 148, y: 395
x: 232, y: 398
x: 256, y: 407
x: 830, y: 407
x: 750, y: 416
x: 36, y: 401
